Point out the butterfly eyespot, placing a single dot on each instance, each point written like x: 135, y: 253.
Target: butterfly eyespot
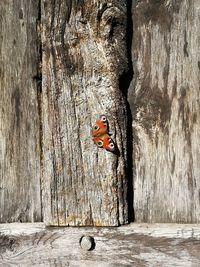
x: 103, y: 118
x: 111, y: 146
x: 96, y: 127
x: 100, y: 143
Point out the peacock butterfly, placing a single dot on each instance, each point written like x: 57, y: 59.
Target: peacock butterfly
x: 101, y: 136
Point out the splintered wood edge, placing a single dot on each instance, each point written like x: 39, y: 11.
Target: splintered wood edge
x: 155, y: 230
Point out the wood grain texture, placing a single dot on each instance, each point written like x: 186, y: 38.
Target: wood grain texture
x: 19, y: 120
x: 139, y: 245
x: 84, y: 55
x: 165, y: 102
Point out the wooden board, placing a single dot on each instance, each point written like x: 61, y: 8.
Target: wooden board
x: 19, y: 116
x: 139, y: 245
x: 84, y: 54
x: 165, y: 103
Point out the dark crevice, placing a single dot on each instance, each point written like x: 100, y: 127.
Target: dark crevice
x: 53, y: 3
x: 66, y: 60
x: 124, y: 83
x: 38, y: 79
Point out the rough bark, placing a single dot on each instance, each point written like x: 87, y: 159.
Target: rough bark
x: 19, y: 120
x: 84, y: 56
x: 165, y: 103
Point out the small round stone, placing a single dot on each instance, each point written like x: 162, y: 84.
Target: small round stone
x: 87, y: 242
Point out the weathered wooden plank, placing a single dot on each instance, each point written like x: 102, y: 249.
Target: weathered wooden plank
x: 19, y: 119
x: 132, y: 245
x: 165, y: 103
x: 84, y: 55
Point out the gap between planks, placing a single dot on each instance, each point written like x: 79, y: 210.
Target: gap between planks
x: 155, y: 230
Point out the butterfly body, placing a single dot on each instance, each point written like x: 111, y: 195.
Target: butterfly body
x: 101, y: 136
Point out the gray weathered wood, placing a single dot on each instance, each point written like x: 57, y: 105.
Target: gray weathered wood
x: 165, y: 103
x: 132, y: 245
x: 84, y: 54
x: 19, y: 120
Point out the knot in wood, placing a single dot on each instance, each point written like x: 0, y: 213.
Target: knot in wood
x: 87, y: 243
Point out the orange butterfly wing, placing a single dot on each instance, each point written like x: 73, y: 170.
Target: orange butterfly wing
x: 100, y: 134
x: 101, y: 126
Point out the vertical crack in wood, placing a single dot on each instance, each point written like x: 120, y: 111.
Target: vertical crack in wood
x: 124, y: 82
x: 39, y: 96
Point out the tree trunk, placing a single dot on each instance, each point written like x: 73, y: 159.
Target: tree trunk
x: 165, y: 102
x: 84, y: 56
x: 19, y: 119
